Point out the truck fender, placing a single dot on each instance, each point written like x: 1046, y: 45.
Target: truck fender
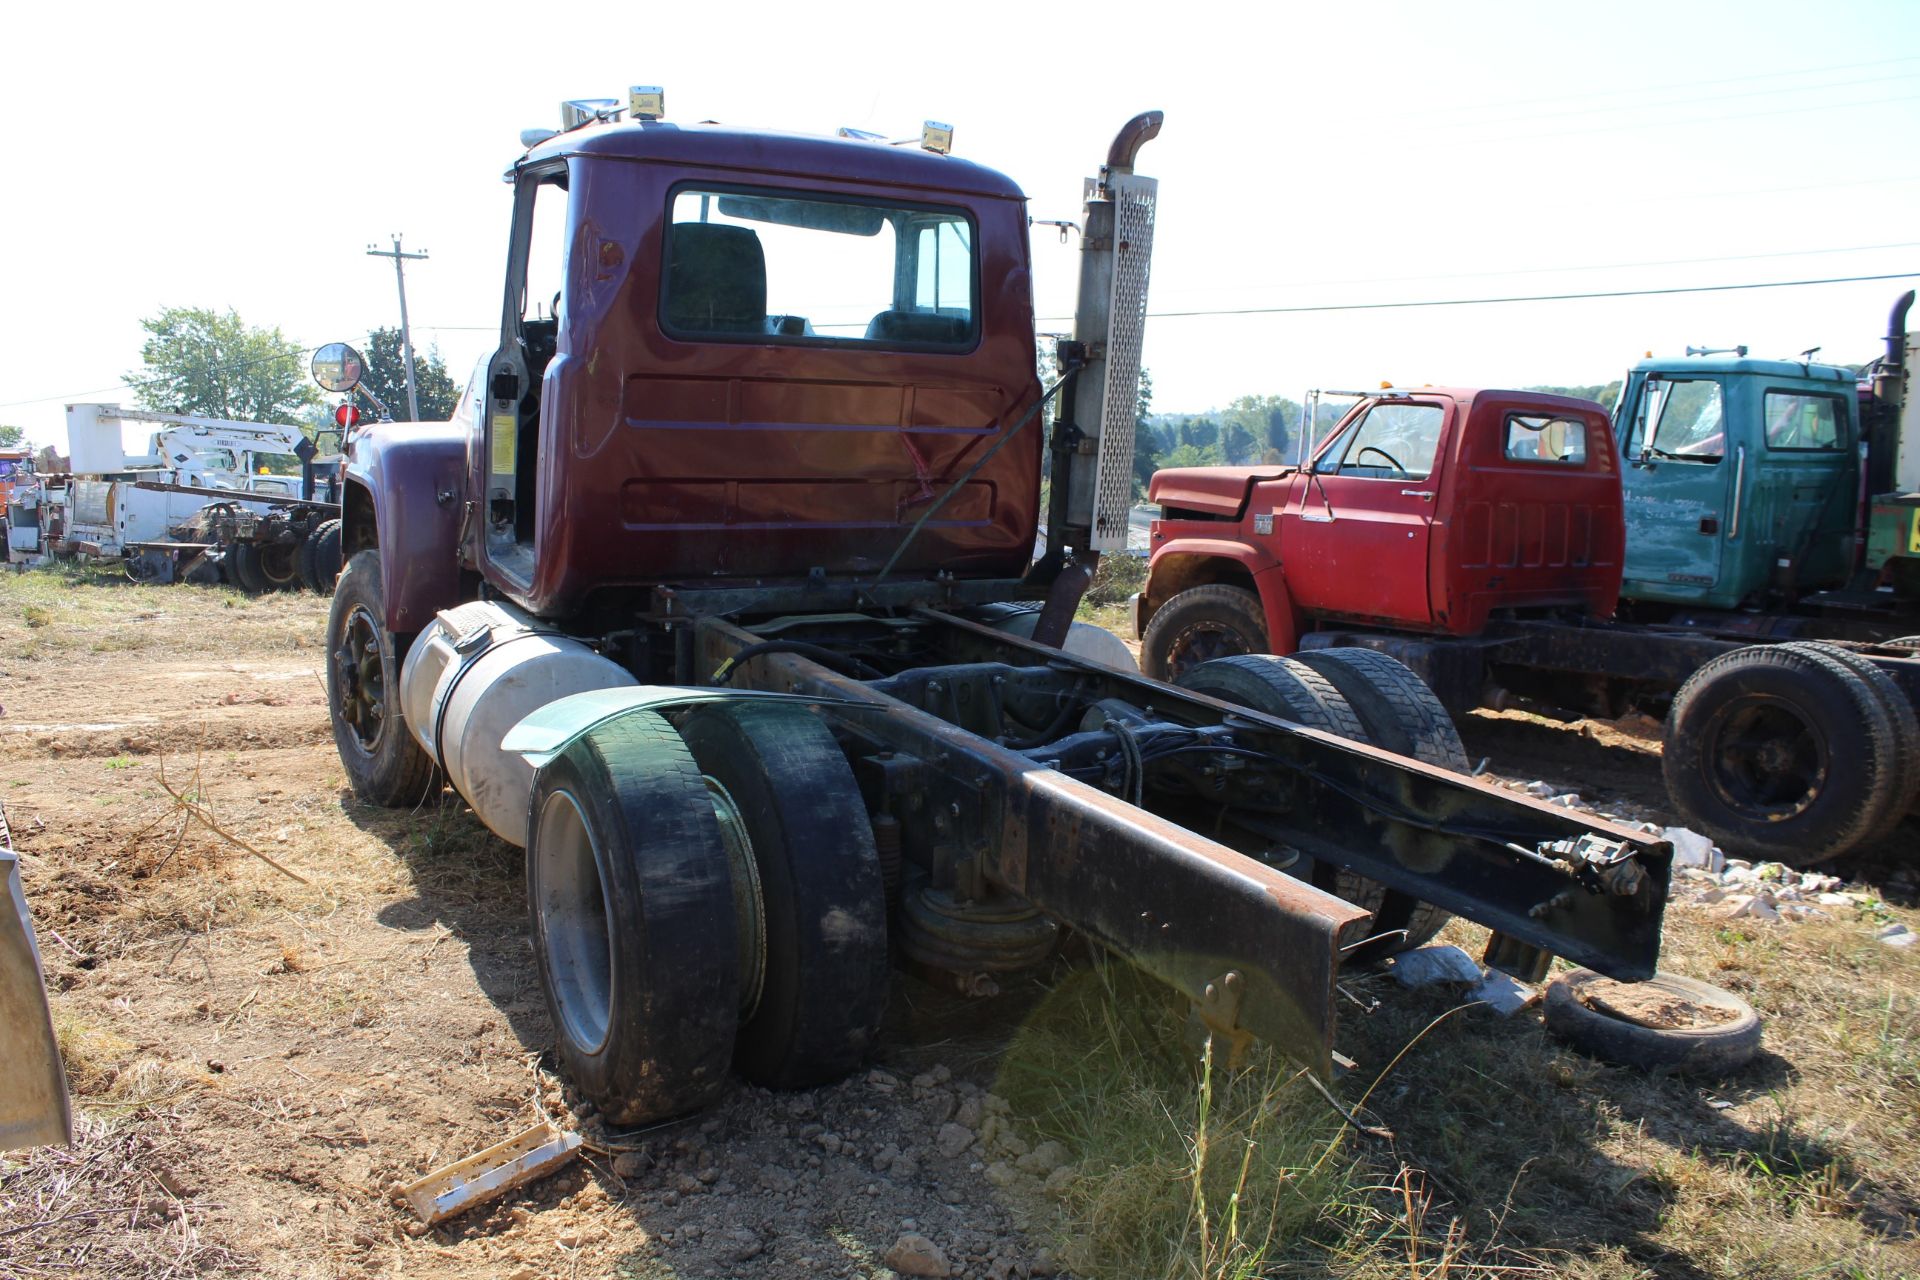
x: 403, y: 495
x: 1194, y: 562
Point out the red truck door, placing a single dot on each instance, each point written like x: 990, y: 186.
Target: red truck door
x: 1354, y: 535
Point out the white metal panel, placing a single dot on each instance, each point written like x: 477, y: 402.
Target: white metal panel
x: 1134, y: 199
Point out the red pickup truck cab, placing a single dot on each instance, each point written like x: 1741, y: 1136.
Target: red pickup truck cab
x: 1428, y: 510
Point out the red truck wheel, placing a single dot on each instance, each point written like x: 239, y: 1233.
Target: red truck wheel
x: 1781, y: 752
x: 1292, y: 690
x: 632, y: 912
x: 1199, y: 625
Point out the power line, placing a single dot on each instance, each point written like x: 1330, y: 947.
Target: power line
x: 1596, y: 266
x: 1561, y: 99
x: 1483, y: 302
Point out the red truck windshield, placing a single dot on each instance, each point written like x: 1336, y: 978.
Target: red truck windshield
x: 761, y: 265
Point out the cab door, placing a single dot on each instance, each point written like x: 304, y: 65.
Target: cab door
x: 1355, y: 537
x: 509, y: 429
x: 1680, y: 469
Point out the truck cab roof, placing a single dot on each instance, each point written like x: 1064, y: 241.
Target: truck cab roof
x: 773, y: 152
x: 1745, y: 366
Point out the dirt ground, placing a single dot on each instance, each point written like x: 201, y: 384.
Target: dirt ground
x: 259, y: 1056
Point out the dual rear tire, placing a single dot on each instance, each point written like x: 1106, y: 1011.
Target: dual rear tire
x: 705, y: 896
x: 1793, y: 753
x: 1367, y: 697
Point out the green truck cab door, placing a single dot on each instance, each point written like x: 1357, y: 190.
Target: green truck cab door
x: 1680, y: 478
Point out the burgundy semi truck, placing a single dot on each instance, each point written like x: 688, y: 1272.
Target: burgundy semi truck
x: 717, y: 595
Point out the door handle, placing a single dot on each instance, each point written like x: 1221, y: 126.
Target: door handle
x: 1417, y: 493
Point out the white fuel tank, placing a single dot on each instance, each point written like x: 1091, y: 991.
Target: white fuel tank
x: 476, y: 671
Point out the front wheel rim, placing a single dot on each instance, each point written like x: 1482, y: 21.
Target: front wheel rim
x: 361, y: 679
x: 1203, y: 642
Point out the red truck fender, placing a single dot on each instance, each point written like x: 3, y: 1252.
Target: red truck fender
x: 1193, y: 562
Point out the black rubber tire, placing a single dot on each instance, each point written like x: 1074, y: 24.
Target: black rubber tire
x: 632, y: 914
x: 384, y: 764
x: 1201, y: 624
x: 243, y: 569
x: 1709, y: 1048
x: 1400, y: 713
x: 1837, y: 719
x: 1398, y: 709
x: 303, y: 562
x: 825, y: 906
x: 1906, y: 729
x: 325, y: 555
x: 1288, y: 688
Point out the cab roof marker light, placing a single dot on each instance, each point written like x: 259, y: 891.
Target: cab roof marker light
x: 860, y: 135
x: 647, y: 102
x: 531, y: 138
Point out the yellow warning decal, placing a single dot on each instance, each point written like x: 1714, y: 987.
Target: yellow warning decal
x: 503, y: 433
x: 1913, y: 537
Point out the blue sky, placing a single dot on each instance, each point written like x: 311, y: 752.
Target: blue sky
x: 245, y: 156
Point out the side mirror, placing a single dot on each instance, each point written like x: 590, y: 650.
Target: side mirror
x: 338, y: 367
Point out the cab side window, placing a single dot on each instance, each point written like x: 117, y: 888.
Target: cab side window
x: 1393, y: 442
x: 1801, y: 423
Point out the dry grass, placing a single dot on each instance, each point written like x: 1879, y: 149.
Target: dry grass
x: 70, y: 608
x: 1510, y: 1155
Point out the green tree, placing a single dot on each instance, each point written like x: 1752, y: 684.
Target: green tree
x: 1200, y: 432
x: 1238, y: 443
x: 386, y: 377
x: 1268, y: 420
x: 12, y: 437
x: 1194, y: 455
x: 199, y: 361
x: 1603, y: 395
x: 1146, y: 441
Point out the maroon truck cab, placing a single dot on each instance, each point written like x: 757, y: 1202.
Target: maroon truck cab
x: 1428, y: 510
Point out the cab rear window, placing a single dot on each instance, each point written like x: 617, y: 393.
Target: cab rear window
x: 788, y: 267
x: 1540, y: 438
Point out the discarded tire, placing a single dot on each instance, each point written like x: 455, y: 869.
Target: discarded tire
x: 1781, y: 752
x: 384, y: 764
x: 1201, y: 624
x: 1667, y: 1021
x: 814, y: 980
x: 632, y: 911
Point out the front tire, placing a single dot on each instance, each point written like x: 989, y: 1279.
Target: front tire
x: 1199, y: 625
x: 384, y: 764
x: 634, y: 922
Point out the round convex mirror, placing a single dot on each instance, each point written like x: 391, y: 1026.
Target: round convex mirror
x: 338, y: 367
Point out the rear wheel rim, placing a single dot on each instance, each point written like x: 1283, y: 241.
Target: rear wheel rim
x: 574, y: 922
x: 1765, y: 759
x: 279, y: 565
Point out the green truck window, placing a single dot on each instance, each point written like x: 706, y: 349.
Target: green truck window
x: 1684, y: 419
x: 1803, y: 423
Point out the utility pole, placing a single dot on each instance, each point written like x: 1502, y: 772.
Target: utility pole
x: 406, y: 334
